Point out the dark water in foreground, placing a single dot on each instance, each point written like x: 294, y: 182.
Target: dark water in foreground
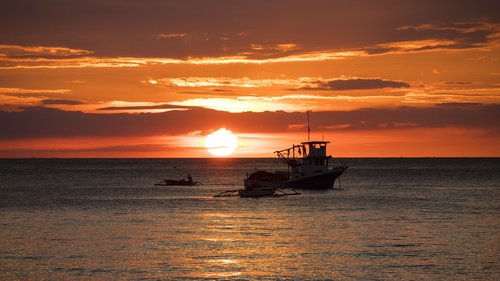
x: 395, y: 219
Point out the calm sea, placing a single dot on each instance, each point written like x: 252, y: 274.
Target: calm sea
x: 103, y: 219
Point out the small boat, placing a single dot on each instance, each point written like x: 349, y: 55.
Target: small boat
x: 183, y: 182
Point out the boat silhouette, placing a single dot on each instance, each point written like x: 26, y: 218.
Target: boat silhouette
x: 309, y: 167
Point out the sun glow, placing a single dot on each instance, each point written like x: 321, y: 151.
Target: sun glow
x: 221, y: 142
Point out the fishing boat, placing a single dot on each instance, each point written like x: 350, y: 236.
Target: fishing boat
x: 309, y: 167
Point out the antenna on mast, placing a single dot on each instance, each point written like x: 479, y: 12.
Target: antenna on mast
x: 308, y: 127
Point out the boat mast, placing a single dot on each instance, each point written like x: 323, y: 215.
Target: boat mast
x: 308, y: 127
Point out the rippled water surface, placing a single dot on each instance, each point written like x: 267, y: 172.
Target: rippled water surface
x: 102, y: 219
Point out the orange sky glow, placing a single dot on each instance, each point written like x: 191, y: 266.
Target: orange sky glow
x: 414, y: 80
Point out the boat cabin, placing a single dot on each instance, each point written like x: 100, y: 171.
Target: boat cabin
x: 314, y: 160
x: 307, y: 159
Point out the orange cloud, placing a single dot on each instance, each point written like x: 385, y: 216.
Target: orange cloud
x: 240, y: 104
x: 18, y: 57
x: 417, y: 45
x: 103, y: 62
x: 16, y: 91
x: 461, y: 27
x: 16, y: 51
x: 243, y: 82
x: 13, y: 99
x: 171, y: 35
x: 84, y: 62
x: 324, y: 103
x: 134, y: 107
x: 306, y: 83
x: 284, y: 47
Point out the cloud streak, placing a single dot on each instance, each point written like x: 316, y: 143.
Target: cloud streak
x: 422, y: 38
x: 355, y: 84
x: 171, y: 35
x: 57, y: 123
x: 60, y: 102
x: 109, y: 62
x: 230, y: 28
x: 16, y: 51
x: 304, y: 83
x: 22, y: 91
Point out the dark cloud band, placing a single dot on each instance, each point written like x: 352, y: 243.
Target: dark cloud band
x: 57, y: 123
x: 356, y: 84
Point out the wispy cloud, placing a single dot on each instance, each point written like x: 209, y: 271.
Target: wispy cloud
x: 240, y: 104
x: 244, y: 82
x: 305, y: 83
x: 284, y: 47
x: 16, y: 51
x: 140, y: 107
x: 298, y: 102
x: 423, y: 37
x: 436, y: 37
x: 354, y: 84
x: 316, y: 56
x: 429, y: 97
x: 461, y: 27
x: 14, y: 99
x: 22, y: 91
x: 104, y: 62
x: 287, y: 103
x: 84, y: 62
x: 170, y: 35
x: 414, y: 46
x: 459, y: 35
x: 60, y: 102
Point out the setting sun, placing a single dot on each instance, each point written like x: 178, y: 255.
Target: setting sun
x: 221, y: 142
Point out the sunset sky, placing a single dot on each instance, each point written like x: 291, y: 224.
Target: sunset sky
x: 153, y: 78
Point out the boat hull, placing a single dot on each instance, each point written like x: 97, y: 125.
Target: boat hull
x: 257, y: 192
x: 315, y: 182
x: 176, y: 183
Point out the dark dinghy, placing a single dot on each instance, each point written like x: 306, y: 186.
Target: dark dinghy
x: 183, y: 182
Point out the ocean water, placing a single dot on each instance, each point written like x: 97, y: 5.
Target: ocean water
x: 103, y: 219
